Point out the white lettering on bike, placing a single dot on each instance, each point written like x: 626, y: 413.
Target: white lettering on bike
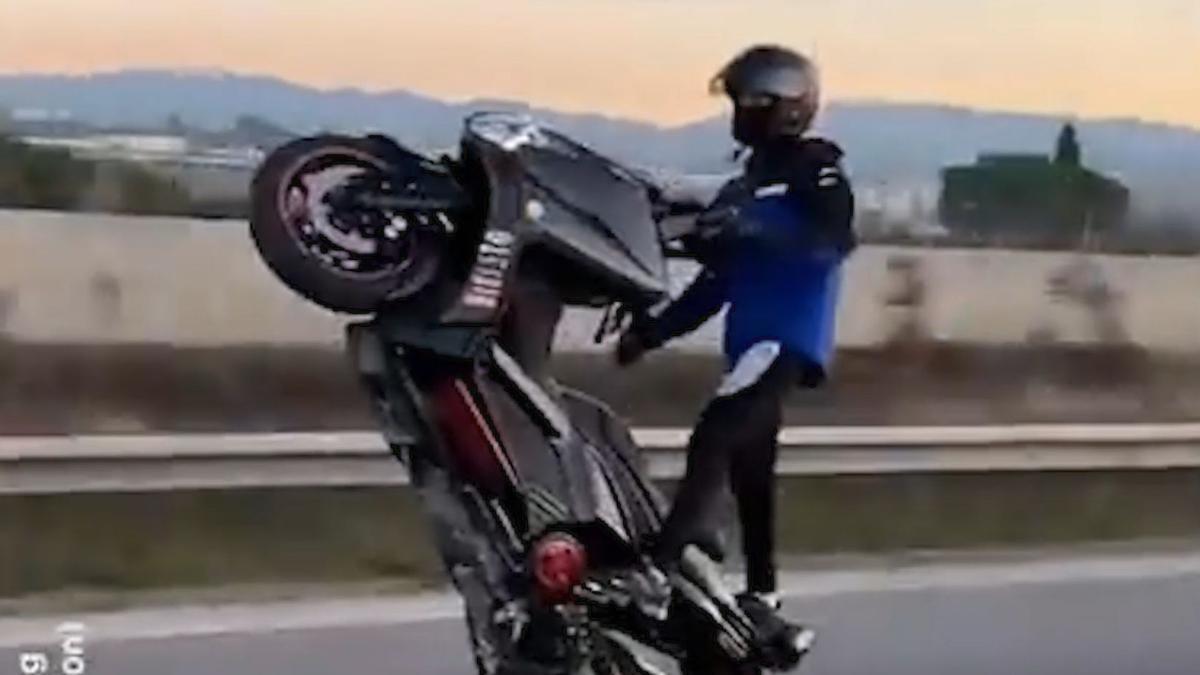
x: 486, y: 282
x: 480, y: 301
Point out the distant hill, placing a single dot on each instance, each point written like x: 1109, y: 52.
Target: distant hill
x: 885, y: 141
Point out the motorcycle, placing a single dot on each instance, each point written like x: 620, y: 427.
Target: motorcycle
x: 540, y: 508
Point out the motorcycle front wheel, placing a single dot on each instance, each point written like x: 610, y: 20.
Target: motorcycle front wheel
x: 347, y: 256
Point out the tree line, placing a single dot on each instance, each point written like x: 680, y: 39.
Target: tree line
x: 51, y: 178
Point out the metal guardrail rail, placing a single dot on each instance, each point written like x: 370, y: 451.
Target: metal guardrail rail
x: 59, y: 464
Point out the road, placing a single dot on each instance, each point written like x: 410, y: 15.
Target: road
x: 1090, y: 617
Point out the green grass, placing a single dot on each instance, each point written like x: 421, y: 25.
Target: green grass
x: 140, y: 542
x: 200, y: 538
x: 948, y: 511
x: 90, y: 388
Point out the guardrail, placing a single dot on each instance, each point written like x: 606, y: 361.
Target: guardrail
x: 58, y: 464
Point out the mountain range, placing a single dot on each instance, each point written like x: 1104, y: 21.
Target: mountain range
x: 891, y: 143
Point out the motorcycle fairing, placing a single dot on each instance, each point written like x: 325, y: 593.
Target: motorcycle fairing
x: 546, y: 190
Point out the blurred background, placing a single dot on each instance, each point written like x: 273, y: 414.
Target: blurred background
x: 1026, y: 176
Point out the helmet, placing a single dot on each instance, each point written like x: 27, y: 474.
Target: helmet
x: 775, y: 92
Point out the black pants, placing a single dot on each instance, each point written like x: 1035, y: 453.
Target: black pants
x: 735, y: 445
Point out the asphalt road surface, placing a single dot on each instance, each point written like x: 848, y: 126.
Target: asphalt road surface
x: 1129, y: 616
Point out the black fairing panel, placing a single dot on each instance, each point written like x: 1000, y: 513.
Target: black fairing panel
x: 641, y: 503
x: 594, y: 263
x: 588, y: 477
x: 601, y: 215
x: 531, y: 452
x: 592, y: 214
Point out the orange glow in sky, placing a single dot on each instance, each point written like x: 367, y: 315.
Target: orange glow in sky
x: 648, y: 58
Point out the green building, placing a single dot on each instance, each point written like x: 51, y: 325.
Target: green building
x: 1032, y: 197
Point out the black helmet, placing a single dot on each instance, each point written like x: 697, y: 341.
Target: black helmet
x: 775, y: 93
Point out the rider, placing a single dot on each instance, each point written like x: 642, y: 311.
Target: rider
x: 771, y: 246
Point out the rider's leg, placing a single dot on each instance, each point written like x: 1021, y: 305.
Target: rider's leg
x: 745, y: 408
x: 695, y: 509
x: 754, y: 481
x: 754, y: 488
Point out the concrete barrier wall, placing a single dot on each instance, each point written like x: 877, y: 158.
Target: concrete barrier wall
x: 94, y: 278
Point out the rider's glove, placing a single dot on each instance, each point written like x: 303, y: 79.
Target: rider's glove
x: 641, y: 337
x: 630, y: 348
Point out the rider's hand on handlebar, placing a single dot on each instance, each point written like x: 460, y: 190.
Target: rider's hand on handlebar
x: 630, y: 348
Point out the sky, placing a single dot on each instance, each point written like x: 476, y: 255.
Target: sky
x: 648, y: 59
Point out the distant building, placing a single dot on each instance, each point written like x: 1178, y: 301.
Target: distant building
x: 149, y: 149
x: 898, y: 208
x: 132, y: 147
x: 39, y: 115
x: 1031, y: 196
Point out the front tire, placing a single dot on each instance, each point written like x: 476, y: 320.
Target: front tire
x: 339, y: 261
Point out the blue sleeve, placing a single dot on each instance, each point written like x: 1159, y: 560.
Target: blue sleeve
x: 703, y: 298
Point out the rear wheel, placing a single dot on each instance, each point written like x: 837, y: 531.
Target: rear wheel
x: 348, y: 259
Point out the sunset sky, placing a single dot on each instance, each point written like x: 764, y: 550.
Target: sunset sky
x: 648, y: 59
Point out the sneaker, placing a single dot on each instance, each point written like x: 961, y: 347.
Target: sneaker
x: 782, y: 644
x: 771, y: 600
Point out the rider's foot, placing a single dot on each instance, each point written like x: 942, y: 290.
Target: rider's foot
x: 783, y: 643
x: 771, y: 599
